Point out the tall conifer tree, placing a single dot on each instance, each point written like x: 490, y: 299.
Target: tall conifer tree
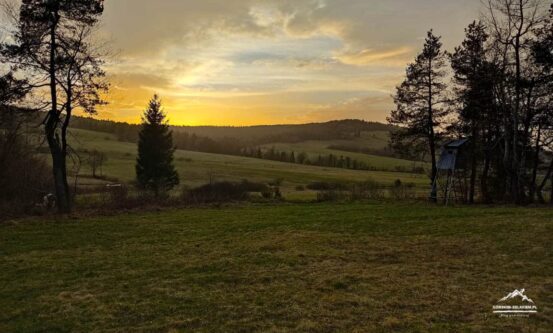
x: 421, y: 99
x: 154, y: 166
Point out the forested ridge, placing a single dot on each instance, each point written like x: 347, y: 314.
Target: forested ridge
x: 233, y: 140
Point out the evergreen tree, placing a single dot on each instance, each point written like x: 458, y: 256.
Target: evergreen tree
x: 474, y: 92
x: 154, y: 165
x: 421, y: 100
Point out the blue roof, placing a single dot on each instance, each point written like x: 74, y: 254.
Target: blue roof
x: 456, y: 143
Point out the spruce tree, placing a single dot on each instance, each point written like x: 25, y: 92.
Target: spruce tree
x: 154, y: 166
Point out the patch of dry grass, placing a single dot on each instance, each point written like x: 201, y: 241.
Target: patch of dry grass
x: 283, y: 268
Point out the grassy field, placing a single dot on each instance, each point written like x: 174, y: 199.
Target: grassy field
x: 368, y: 140
x: 199, y: 168
x: 281, y: 268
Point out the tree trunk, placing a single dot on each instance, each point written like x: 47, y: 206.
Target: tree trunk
x: 431, y: 133
x: 515, y: 189
x: 484, y: 180
x: 551, y: 194
x: 535, y: 167
x: 52, y: 122
x: 473, y: 165
x: 544, y: 182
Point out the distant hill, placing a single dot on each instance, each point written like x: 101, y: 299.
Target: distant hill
x: 338, y: 129
x: 245, y: 136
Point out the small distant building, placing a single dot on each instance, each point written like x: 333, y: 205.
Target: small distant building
x: 450, y: 178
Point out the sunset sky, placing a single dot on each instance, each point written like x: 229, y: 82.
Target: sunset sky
x: 244, y: 62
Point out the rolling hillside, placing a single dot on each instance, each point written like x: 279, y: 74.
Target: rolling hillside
x: 199, y: 168
x: 375, y: 141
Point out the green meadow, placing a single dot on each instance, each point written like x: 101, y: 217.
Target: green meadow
x: 278, y: 268
x: 200, y: 168
x: 376, y: 140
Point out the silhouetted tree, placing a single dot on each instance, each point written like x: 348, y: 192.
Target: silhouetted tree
x: 52, y: 46
x: 96, y: 160
x: 543, y: 56
x: 474, y: 94
x: 292, y: 157
x: 421, y: 99
x: 154, y: 166
x: 512, y: 25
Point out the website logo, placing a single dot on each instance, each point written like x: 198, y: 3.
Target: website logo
x: 515, y: 304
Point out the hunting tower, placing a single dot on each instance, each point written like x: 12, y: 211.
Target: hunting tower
x: 450, y: 182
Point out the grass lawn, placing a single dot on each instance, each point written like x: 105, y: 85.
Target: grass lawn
x: 278, y: 268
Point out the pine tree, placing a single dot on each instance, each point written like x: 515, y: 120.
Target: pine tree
x: 154, y: 166
x: 474, y: 92
x: 421, y: 100
x: 52, y: 46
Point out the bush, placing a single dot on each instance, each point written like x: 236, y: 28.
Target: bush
x: 248, y: 186
x: 278, y: 195
x: 402, y: 191
x: 324, y: 186
x: 368, y: 189
x: 330, y: 195
x: 276, y: 182
x: 224, y: 192
x: 118, y: 193
x: 24, y: 178
x: 216, y: 192
x: 300, y: 188
x: 267, y: 194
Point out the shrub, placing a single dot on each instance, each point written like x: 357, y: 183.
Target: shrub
x: 248, y: 186
x: 300, y: 188
x: 278, y: 195
x: 118, y: 193
x: 330, y: 195
x: 276, y: 182
x: 402, y: 191
x: 224, y: 192
x: 267, y: 194
x: 24, y: 178
x: 368, y: 189
x: 325, y: 186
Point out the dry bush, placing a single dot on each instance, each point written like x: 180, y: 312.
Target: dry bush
x: 402, y: 191
x: 219, y: 192
x: 24, y: 177
x: 368, y: 189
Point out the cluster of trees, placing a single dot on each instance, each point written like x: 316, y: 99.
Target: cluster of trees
x: 328, y: 160
x: 499, y: 96
x: 193, y: 142
x: 386, y: 151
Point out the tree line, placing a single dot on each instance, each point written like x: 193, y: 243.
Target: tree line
x: 232, y: 140
x: 324, y: 160
x: 499, y: 96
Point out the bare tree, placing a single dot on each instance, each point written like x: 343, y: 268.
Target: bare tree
x: 96, y: 161
x: 512, y: 24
